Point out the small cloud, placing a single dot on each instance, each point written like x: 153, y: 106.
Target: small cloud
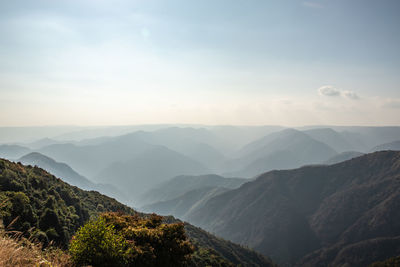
x: 329, y: 90
x: 350, y: 95
x: 391, y: 103
x: 312, y: 4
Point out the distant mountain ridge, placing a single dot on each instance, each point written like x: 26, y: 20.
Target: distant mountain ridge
x: 332, y: 138
x: 61, y: 170
x: 13, y: 151
x: 286, y: 149
x: 343, y: 157
x: 179, y: 185
x: 203, y: 150
x: 68, y: 175
x: 139, y: 173
x: 387, y: 146
x: 182, y: 205
x: 182, y: 194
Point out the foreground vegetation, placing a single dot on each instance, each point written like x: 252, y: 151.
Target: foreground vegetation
x: 121, y: 240
x: 17, y: 251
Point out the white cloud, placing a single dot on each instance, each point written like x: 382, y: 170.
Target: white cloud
x: 329, y: 90
x: 350, y: 95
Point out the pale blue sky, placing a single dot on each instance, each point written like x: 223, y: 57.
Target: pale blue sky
x: 95, y: 62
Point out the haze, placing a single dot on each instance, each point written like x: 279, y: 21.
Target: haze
x: 207, y: 62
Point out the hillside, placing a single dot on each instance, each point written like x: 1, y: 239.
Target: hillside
x: 58, y: 169
x: 343, y: 157
x: 182, y: 184
x: 309, y: 215
x: 387, y: 146
x: 182, y: 205
x: 68, y: 175
x: 56, y: 209
x: 140, y: 173
x: 330, y: 137
x: 53, y: 207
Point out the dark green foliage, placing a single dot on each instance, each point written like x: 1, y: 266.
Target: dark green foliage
x: 213, y: 251
x: 209, y: 257
x: 98, y: 244
x: 122, y: 240
x: 36, y: 199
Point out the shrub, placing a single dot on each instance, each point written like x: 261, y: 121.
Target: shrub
x: 130, y: 241
x: 97, y: 244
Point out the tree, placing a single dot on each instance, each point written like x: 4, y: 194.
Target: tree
x: 97, y: 244
x: 131, y: 241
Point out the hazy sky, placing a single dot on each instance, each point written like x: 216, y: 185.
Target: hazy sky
x: 206, y: 61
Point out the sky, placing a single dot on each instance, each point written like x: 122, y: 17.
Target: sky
x: 238, y: 62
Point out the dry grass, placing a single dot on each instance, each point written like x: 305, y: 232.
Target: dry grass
x: 18, y: 252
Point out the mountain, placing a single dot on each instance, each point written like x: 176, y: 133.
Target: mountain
x: 138, y: 174
x: 88, y: 160
x: 182, y: 184
x: 314, y: 215
x: 358, y: 141
x: 13, y: 151
x: 90, y: 156
x: 343, y: 157
x: 61, y: 170
x: 235, y: 137
x: 281, y: 150
x: 332, y: 138
x: 388, y: 146
x: 194, y: 143
x: 67, y: 174
x: 42, y: 143
x: 32, y: 197
x: 368, y: 137
x: 181, y: 206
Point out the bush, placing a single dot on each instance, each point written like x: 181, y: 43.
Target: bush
x: 97, y: 244
x: 125, y: 240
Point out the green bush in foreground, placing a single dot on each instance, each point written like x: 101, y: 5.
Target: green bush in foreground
x: 97, y: 244
x: 121, y: 240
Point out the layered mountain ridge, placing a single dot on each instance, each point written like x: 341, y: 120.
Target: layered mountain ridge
x: 298, y: 215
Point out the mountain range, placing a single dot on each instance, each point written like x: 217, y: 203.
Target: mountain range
x: 182, y: 194
x: 286, y: 149
x: 139, y: 160
x: 70, y: 176
x: 182, y: 184
x: 314, y: 215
